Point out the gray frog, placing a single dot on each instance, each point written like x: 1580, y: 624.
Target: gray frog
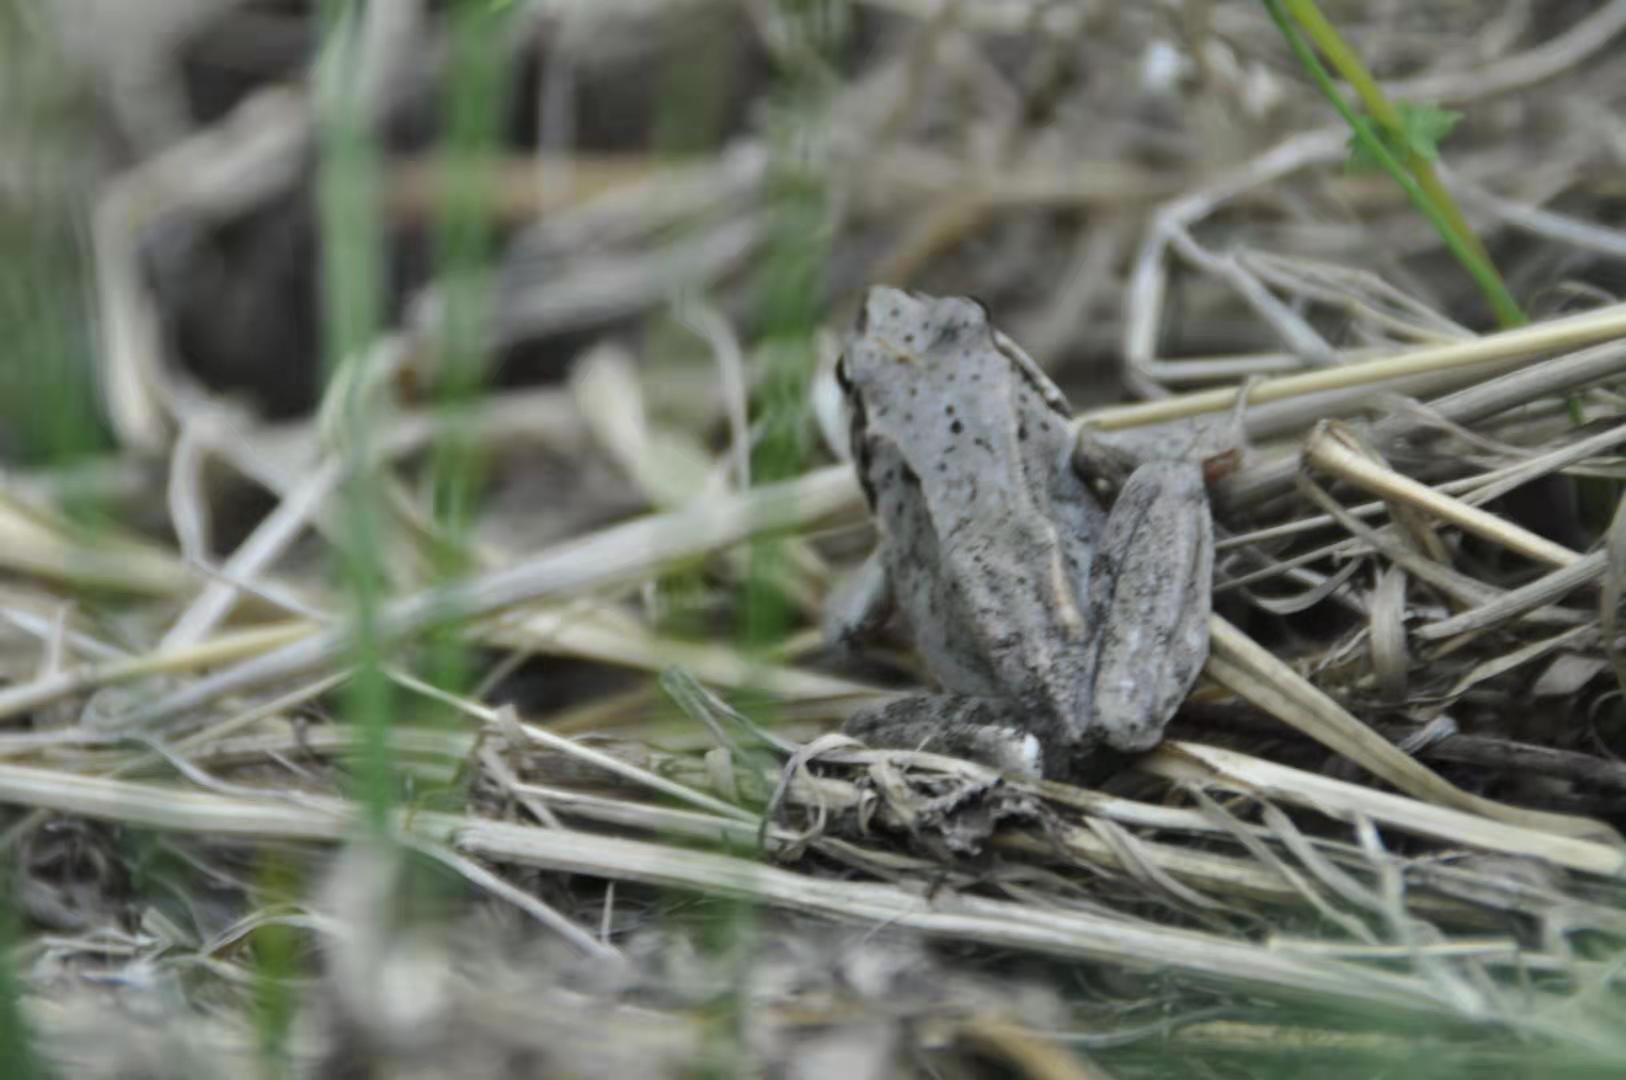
x: 1051, y: 624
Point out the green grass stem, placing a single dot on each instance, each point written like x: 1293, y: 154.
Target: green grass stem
x: 1414, y: 173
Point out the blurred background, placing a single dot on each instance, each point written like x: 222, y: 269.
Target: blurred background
x: 768, y: 158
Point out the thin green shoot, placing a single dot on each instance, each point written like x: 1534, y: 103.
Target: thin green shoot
x: 352, y: 245
x: 1402, y: 153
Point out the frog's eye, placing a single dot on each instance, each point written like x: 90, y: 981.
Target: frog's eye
x: 1101, y: 488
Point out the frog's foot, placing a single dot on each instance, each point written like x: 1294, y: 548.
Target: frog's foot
x: 956, y: 725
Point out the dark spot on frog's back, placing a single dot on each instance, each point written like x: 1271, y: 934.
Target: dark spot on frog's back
x: 956, y: 427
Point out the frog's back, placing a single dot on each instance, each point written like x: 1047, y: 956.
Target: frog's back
x: 965, y: 451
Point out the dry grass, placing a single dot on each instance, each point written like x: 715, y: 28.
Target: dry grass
x: 1385, y: 825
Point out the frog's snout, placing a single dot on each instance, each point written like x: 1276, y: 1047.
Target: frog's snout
x: 883, y: 304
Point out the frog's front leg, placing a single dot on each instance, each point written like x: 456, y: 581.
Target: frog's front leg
x: 1151, y: 588
x: 860, y: 605
x: 956, y: 725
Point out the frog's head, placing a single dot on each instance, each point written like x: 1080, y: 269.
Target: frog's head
x: 895, y: 336
x: 909, y: 360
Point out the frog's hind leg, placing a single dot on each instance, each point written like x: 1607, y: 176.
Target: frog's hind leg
x: 1151, y: 588
x: 956, y: 725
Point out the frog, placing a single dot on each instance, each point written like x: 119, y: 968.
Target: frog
x: 1056, y: 617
